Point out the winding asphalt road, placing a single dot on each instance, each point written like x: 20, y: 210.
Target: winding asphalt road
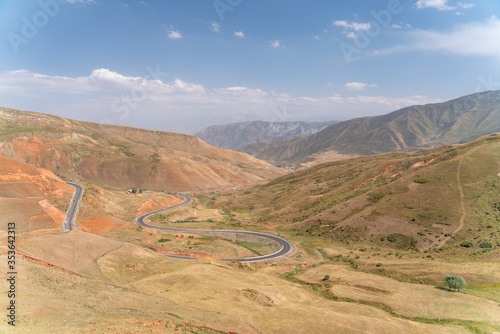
x: 286, y: 246
x: 69, y: 222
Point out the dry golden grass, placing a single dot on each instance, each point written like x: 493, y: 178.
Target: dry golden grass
x: 409, y: 300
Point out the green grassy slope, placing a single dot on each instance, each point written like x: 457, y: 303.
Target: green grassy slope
x: 428, y: 199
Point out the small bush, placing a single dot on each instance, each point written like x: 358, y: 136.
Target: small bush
x: 375, y: 197
x: 379, y: 264
x: 163, y: 240
x: 326, y: 278
x: 454, y: 282
x: 486, y: 245
x: 466, y: 244
x: 421, y: 180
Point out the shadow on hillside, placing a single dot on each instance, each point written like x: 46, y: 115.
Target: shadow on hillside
x: 445, y: 289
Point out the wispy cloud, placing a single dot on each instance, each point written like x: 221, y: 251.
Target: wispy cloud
x: 352, y: 25
x: 187, y: 106
x: 465, y: 5
x: 440, y: 5
x: 215, y: 26
x: 351, y: 28
x: 358, y: 86
x: 174, y: 34
x: 474, y: 38
x: 275, y: 44
x: 239, y: 34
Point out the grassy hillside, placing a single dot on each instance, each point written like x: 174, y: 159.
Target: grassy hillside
x: 371, y: 287
x: 124, y: 157
x: 435, y: 199
x: 417, y: 127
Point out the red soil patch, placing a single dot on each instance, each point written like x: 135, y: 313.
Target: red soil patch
x: 53, y: 212
x: 101, y: 223
x: 422, y: 163
x: 387, y: 170
x: 44, y: 263
x: 16, y: 172
x: 155, y: 204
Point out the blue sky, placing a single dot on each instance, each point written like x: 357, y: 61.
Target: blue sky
x: 179, y: 65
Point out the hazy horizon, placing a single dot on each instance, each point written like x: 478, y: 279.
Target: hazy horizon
x: 181, y: 66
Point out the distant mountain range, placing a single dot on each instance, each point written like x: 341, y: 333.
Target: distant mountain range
x: 408, y: 129
x: 249, y: 136
x: 124, y: 157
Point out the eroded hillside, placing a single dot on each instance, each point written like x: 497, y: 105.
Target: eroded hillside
x: 125, y: 157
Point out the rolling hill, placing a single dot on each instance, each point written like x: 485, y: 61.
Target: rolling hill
x: 249, y: 136
x: 437, y: 198
x: 124, y: 157
x: 408, y: 129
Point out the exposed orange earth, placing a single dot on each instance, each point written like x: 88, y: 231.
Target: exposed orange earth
x: 100, y: 223
x: 155, y: 204
x: 125, y: 157
x: 32, y: 197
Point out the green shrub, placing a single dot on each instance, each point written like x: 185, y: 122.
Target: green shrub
x: 163, y: 240
x: 379, y: 264
x: 375, y: 197
x: 402, y: 241
x: 466, y: 244
x: 454, y: 282
x: 421, y: 180
x: 326, y: 278
x: 486, y: 245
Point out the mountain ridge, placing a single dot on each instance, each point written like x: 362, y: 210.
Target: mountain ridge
x: 408, y: 129
x: 244, y: 136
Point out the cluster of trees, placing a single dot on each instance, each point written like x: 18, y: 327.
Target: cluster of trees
x: 135, y: 191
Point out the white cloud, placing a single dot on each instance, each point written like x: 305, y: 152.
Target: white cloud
x: 275, y: 44
x: 174, y: 34
x: 352, y: 25
x: 358, y: 86
x: 396, y: 26
x: 239, y: 34
x: 465, y: 5
x: 440, y: 5
x: 215, y: 26
x: 474, y: 38
x: 351, y: 34
x: 176, y: 105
